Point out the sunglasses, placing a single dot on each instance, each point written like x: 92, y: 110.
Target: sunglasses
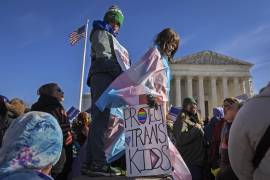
x: 59, y: 90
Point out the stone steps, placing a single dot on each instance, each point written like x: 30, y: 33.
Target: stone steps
x: 120, y: 178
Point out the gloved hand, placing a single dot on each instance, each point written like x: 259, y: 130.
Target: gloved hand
x: 152, y: 101
x: 215, y: 172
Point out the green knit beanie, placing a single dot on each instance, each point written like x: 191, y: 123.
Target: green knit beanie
x: 114, y: 14
x: 188, y: 100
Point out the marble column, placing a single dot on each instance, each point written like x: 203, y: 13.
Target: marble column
x: 225, y: 87
x: 242, y: 86
x: 247, y: 87
x: 201, y: 96
x: 214, y: 91
x: 178, y: 91
x: 236, y: 86
x: 189, y: 86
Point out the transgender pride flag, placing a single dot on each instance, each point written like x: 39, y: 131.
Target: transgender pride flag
x: 148, y: 76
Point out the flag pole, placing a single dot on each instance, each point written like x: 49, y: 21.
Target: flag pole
x: 83, y: 65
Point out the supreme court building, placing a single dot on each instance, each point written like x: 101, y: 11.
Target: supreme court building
x: 209, y: 77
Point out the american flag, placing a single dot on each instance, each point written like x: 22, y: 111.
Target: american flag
x: 75, y: 36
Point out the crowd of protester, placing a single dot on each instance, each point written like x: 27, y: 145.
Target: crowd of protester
x: 222, y: 148
x: 17, y: 124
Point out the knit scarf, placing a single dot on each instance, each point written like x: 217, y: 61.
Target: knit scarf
x: 102, y: 25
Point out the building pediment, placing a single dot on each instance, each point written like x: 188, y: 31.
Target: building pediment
x: 210, y: 58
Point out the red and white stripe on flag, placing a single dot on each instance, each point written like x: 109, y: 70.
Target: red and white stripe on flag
x: 75, y: 36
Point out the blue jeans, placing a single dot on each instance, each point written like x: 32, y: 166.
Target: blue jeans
x: 95, y: 143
